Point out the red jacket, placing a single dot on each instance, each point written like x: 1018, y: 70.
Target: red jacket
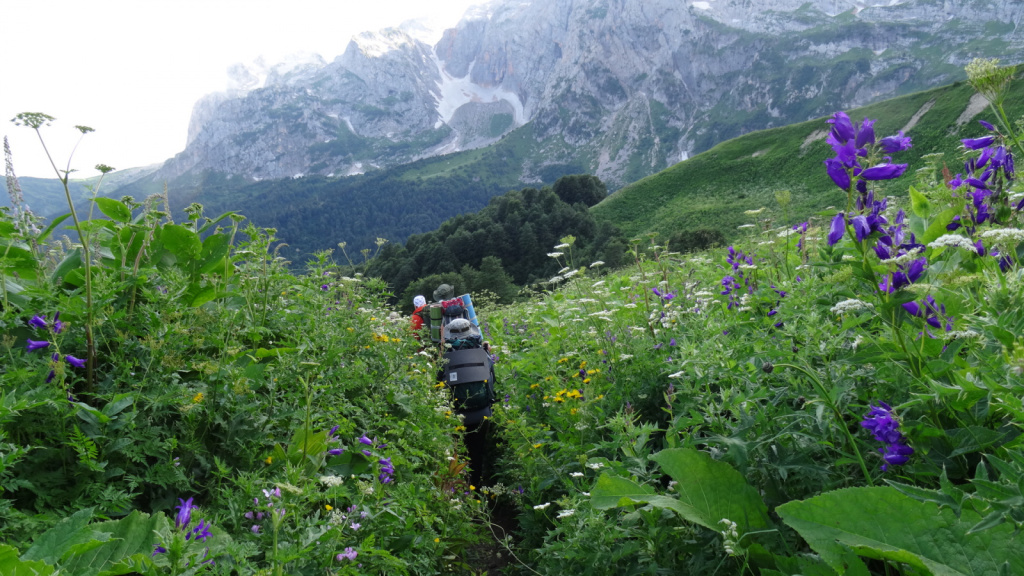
x: 417, y: 320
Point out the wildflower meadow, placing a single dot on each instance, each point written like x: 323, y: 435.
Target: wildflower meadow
x: 841, y: 394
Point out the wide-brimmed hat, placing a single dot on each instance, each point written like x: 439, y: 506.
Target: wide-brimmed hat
x: 444, y: 292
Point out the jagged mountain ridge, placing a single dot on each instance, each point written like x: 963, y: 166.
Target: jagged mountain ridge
x: 620, y: 88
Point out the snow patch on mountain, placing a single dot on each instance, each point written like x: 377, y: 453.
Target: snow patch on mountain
x: 452, y: 93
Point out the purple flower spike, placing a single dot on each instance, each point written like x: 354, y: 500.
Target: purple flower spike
x: 978, y: 143
x: 336, y: 451
x: 897, y: 143
x: 866, y: 134
x: 38, y: 321
x: 885, y: 427
x: 861, y: 227
x: 987, y: 126
x: 184, y: 516
x: 76, y: 362
x: 364, y: 440
x: 34, y: 345
x: 842, y: 127
x: 884, y: 172
x: 838, y: 173
x: 837, y: 229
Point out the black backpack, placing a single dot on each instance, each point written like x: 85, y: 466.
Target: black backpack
x: 469, y: 376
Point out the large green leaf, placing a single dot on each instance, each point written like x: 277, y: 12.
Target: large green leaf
x: 710, y: 490
x: 180, y: 242
x: 938, y: 225
x: 114, y: 209
x: 134, y: 536
x: 215, y: 248
x: 69, y: 532
x: 882, y: 523
x: 41, y: 238
x: 919, y: 203
x: 10, y: 565
x: 612, y: 492
x: 71, y: 261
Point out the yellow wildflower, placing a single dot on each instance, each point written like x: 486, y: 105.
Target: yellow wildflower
x: 471, y: 487
x: 460, y: 428
x: 436, y: 540
x: 537, y: 445
x: 197, y: 398
x: 573, y: 411
x: 534, y: 386
x: 586, y: 380
x: 563, y: 360
x: 269, y: 460
x: 328, y: 507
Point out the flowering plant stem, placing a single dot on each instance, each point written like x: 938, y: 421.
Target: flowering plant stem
x: 838, y: 415
x: 64, y: 176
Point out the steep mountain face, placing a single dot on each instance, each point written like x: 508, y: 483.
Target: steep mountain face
x: 620, y: 88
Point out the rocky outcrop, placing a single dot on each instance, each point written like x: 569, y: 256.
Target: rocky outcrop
x: 622, y: 88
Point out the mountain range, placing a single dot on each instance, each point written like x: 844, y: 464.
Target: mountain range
x: 617, y: 88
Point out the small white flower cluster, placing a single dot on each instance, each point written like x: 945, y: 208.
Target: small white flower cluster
x: 851, y: 305
x: 964, y: 334
x: 597, y: 264
x: 730, y: 536
x: 786, y: 233
x: 331, y: 480
x: 576, y: 474
x: 566, y: 513
x: 955, y: 241
x: 595, y: 465
x: 554, y: 254
x: 904, y: 258
x: 625, y: 357
x: 753, y: 212
x: 562, y: 246
x: 743, y: 226
x: 542, y: 506
x: 1005, y: 237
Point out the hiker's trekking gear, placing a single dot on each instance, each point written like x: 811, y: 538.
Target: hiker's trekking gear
x: 467, y: 302
x: 469, y: 375
x: 461, y: 333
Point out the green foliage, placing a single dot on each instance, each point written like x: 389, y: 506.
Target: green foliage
x: 714, y: 188
x: 879, y: 522
x: 506, y: 243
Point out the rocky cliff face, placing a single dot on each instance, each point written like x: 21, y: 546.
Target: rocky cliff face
x: 621, y: 88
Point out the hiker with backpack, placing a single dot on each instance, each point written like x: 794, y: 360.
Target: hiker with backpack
x: 467, y: 372
x: 419, y: 316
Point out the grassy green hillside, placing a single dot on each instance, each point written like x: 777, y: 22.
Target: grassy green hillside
x: 713, y: 189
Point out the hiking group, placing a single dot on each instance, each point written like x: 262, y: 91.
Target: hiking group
x: 467, y: 367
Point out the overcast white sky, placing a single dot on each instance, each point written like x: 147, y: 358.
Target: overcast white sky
x: 132, y: 69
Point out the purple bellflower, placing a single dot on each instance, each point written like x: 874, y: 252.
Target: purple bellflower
x: 33, y: 345
x: 885, y: 427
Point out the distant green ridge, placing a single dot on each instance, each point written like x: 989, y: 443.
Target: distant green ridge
x: 714, y: 188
